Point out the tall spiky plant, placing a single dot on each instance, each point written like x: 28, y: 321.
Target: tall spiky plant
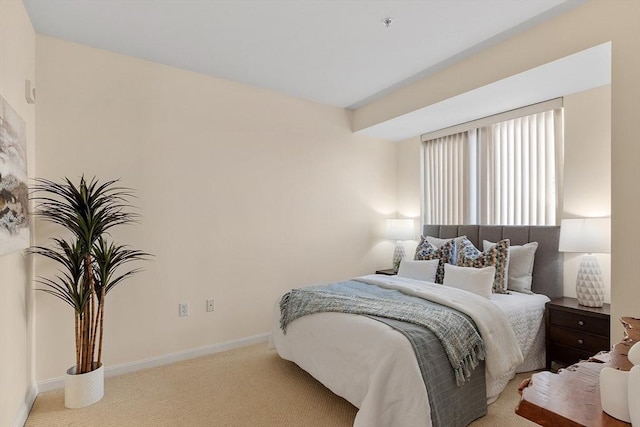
x: 88, y: 262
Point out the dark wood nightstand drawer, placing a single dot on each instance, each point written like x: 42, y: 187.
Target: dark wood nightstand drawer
x: 579, y: 340
x: 568, y: 355
x: 581, y: 322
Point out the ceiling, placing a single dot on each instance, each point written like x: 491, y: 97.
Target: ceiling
x: 336, y: 52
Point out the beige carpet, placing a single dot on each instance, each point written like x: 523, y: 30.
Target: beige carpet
x: 250, y: 386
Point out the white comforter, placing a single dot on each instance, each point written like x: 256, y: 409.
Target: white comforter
x: 374, y: 367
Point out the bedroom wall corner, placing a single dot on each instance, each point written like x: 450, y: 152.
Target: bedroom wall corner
x: 17, y: 383
x: 408, y: 194
x: 244, y: 193
x: 587, y: 25
x: 587, y: 149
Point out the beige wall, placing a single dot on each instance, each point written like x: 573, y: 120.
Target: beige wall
x: 244, y: 193
x: 588, y: 25
x: 587, y: 151
x: 587, y: 170
x: 17, y: 63
x: 409, y: 178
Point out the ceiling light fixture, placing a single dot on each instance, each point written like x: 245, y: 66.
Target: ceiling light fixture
x: 387, y: 22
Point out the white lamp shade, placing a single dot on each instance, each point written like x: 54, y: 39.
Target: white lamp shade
x: 585, y: 235
x: 400, y: 229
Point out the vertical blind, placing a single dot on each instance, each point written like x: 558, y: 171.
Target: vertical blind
x: 446, y: 176
x: 505, y: 173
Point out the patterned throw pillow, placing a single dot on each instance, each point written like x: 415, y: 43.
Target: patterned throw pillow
x: 519, y: 266
x: 497, y: 256
x: 445, y: 253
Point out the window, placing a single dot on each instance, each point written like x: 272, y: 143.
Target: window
x: 502, y: 170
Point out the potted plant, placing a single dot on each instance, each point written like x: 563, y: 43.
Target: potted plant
x: 89, y: 263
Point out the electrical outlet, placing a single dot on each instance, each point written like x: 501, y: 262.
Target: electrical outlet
x: 183, y: 309
x: 210, y: 305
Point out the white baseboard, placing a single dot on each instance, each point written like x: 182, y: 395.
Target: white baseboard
x: 166, y: 359
x: 21, y: 419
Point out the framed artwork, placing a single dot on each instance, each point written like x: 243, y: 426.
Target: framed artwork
x: 14, y: 191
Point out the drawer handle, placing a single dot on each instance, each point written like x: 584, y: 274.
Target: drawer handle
x: 581, y: 323
x: 580, y: 342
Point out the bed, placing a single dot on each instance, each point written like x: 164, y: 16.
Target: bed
x: 376, y: 368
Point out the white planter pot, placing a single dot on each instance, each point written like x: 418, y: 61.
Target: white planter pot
x: 83, y: 389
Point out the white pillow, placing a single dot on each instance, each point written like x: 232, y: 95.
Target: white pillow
x: 471, y: 279
x: 418, y: 269
x: 519, y: 266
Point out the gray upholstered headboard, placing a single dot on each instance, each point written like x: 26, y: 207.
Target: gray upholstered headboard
x: 548, y: 264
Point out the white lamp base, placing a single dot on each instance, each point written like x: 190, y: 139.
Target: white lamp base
x: 398, y: 254
x: 589, y: 284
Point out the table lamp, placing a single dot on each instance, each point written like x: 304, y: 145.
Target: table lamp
x: 588, y: 236
x: 399, y: 230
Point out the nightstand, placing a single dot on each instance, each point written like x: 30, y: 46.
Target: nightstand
x: 388, y: 272
x: 575, y: 332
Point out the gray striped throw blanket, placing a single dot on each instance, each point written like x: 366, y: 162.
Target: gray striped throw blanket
x: 460, y: 339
